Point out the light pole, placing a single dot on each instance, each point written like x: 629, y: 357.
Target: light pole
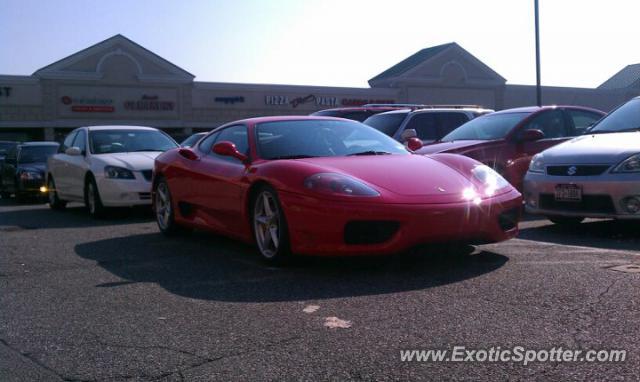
x: 538, y: 87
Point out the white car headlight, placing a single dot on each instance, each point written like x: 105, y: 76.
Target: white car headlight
x: 490, y: 180
x: 537, y: 164
x: 629, y: 165
x: 113, y: 172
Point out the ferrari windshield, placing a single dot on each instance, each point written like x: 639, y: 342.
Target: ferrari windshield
x: 624, y: 118
x: 322, y: 138
x: 486, y: 128
x: 120, y: 141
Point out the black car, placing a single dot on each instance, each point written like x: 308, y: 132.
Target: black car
x: 23, y: 170
x: 4, y: 147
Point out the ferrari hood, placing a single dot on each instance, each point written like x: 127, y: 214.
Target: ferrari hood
x: 406, y: 175
x: 450, y: 147
x: 609, y: 148
x: 135, y: 161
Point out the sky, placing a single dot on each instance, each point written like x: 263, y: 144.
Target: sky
x: 330, y: 42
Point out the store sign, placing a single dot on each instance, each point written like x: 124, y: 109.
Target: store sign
x: 229, y: 100
x: 5, y: 91
x: 88, y: 104
x: 280, y: 100
x: 149, y: 103
x: 302, y: 100
x: 326, y: 101
x: 276, y: 100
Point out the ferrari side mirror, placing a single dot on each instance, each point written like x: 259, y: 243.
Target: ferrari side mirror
x: 226, y: 148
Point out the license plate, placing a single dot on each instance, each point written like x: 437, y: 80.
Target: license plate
x: 568, y: 193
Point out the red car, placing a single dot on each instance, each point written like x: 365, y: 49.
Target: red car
x: 328, y: 186
x: 507, y: 140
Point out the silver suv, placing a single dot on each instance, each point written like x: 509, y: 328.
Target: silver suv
x: 428, y: 123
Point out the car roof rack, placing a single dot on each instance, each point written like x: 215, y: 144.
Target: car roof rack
x: 413, y: 105
x: 420, y: 106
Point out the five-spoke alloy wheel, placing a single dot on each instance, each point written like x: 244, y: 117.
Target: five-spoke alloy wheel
x: 269, y: 226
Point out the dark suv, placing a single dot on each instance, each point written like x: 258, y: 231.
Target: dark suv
x: 359, y: 113
x: 428, y: 123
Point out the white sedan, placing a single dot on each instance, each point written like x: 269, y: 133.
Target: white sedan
x: 105, y: 166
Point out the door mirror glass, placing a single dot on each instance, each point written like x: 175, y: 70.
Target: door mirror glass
x: 532, y: 135
x: 408, y: 134
x: 73, y: 151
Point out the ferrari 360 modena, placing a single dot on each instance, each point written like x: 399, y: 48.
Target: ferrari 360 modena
x: 328, y: 186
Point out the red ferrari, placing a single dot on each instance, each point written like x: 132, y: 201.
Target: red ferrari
x: 328, y: 186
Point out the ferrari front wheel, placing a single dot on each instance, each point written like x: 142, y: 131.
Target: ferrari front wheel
x: 270, y: 226
x: 163, y: 206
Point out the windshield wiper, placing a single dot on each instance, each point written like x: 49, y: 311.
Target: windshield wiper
x: 614, y: 131
x: 370, y: 152
x: 135, y: 151
x: 299, y: 156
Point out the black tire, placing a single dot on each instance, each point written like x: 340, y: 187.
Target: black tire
x: 164, y: 211
x: 55, y: 203
x: 92, y: 200
x: 565, y: 220
x: 21, y: 197
x: 3, y: 193
x: 269, y: 226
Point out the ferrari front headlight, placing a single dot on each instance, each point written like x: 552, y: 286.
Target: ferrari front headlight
x: 338, y: 184
x: 489, y: 179
x: 629, y: 165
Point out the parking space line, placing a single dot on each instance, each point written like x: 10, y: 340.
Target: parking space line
x: 581, y: 248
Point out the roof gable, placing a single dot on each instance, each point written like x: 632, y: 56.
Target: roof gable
x: 625, y: 78
x: 94, y: 63
x: 411, y: 61
x: 441, y: 64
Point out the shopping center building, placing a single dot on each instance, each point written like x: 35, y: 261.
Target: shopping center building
x: 120, y: 82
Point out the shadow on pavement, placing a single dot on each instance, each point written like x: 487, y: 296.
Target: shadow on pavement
x: 39, y: 216
x: 208, y: 267
x: 606, y: 234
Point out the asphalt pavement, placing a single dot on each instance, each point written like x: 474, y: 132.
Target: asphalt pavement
x: 112, y: 299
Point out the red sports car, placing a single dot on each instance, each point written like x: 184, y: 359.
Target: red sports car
x: 328, y: 186
x: 507, y: 140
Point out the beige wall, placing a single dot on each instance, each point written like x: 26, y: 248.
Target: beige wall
x: 605, y: 100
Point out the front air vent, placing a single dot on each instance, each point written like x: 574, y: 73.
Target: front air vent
x: 369, y: 232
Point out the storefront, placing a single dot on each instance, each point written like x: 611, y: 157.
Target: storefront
x: 119, y: 82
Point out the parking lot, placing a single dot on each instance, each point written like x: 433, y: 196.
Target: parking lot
x: 112, y: 299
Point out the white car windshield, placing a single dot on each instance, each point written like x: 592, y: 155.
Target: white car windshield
x: 120, y: 141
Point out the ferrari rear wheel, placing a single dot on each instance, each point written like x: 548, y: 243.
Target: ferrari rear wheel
x: 270, y: 226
